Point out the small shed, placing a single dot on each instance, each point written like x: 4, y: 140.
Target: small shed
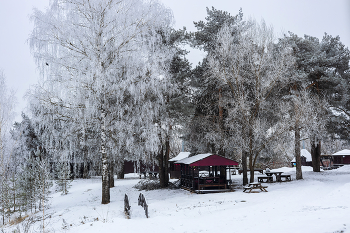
x: 175, y: 169
x: 341, y: 157
x: 205, y: 172
x: 306, y: 159
x: 140, y: 167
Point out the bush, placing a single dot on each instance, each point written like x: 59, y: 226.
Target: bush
x: 150, y: 184
x: 147, y: 184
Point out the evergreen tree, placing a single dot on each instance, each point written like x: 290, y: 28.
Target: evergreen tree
x: 323, y: 67
x: 5, y: 199
x: 63, y: 179
x: 206, y: 131
x: 28, y: 184
x: 7, y: 101
x: 253, y: 67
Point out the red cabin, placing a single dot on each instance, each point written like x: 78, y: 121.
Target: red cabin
x: 175, y: 169
x: 341, y: 157
x: 206, y: 172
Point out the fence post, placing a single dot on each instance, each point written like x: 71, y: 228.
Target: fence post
x: 126, y: 206
x: 142, y: 202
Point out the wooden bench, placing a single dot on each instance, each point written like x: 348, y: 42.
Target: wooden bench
x: 286, y: 177
x: 267, y: 178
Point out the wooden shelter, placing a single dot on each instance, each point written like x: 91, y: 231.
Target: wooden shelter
x: 175, y: 169
x: 306, y: 159
x: 206, y: 172
x: 140, y: 167
x: 341, y: 157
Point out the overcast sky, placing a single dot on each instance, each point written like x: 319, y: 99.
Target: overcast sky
x: 311, y: 17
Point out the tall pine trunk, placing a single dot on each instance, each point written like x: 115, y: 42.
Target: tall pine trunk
x: 166, y: 161
x: 85, y: 170
x: 245, y: 155
x: 244, y: 166
x: 161, y: 166
x: 299, y: 173
x: 251, y: 155
x: 316, y: 155
x: 111, y: 174
x: 120, y: 167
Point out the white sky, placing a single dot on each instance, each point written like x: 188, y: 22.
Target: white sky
x: 311, y: 17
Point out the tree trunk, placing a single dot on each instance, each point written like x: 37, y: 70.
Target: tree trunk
x: 251, y: 156
x: 111, y: 174
x: 161, y: 166
x: 221, y: 111
x: 244, y: 166
x: 316, y: 155
x: 251, y: 168
x: 85, y: 170
x: 166, y: 161
x: 105, y: 165
x: 299, y: 173
x: 85, y: 153
x: 120, y: 172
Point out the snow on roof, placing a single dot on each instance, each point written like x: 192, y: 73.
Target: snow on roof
x: 181, y: 155
x: 306, y: 154
x: 342, y: 152
x: 193, y: 159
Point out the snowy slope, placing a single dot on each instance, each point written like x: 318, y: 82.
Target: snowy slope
x: 319, y: 203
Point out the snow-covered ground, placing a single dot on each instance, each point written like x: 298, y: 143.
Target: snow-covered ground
x: 318, y: 203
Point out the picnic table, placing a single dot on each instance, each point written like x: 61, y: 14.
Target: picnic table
x: 277, y: 174
x: 255, y: 185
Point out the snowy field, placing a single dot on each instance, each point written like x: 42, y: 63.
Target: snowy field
x: 319, y: 203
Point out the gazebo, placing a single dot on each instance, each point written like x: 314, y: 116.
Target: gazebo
x: 205, y: 172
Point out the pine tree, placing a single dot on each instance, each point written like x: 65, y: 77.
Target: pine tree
x: 7, y: 101
x: 323, y: 67
x: 63, y: 179
x: 206, y: 131
x: 28, y: 186
x: 253, y: 67
x: 5, y: 198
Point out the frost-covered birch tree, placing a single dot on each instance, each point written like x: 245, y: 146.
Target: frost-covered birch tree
x: 91, y: 53
x: 253, y: 67
x: 7, y: 103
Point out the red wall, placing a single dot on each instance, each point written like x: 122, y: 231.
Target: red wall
x: 342, y: 160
